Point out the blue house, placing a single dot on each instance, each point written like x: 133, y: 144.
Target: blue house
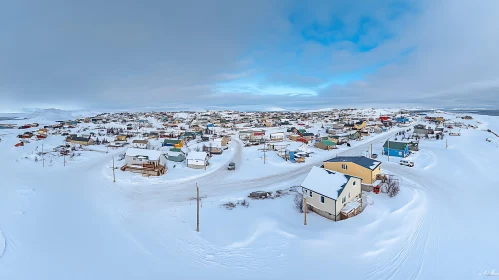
x: 402, y: 120
x: 396, y: 149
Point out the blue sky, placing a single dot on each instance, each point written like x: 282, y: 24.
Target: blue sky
x: 252, y: 54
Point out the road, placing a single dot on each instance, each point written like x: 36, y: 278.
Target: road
x: 223, y: 181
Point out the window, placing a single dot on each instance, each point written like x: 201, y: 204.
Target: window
x: 310, y: 193
x: 354, y: 183
x: 322, y: 199
x: 344, y: 199
x: 344, y: 166
x: 348, y: 195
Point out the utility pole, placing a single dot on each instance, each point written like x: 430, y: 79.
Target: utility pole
x: 446, y: 145
x: 304, y: 211
x: 43, y: 158
x: 371, y: 150
x: 114, y: 176
x: 197, y: 213
x: 388, y: 149
x: 264, y: 151
x: 64, y: 158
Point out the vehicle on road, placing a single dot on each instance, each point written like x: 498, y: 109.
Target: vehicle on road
x: 407, y: 163
x: 374, y: 156
x: 231, y: 166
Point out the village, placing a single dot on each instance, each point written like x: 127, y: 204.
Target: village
x: 168, y: 147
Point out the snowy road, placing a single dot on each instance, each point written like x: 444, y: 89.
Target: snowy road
x: 223, y: 181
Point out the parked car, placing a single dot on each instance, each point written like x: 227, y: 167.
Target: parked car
x: 374, y: 156
x: 231, y: 166
x: 407, y: 163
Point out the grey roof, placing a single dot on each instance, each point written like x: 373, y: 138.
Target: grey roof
x: 359, y: 160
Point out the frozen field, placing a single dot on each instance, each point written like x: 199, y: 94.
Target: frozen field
x: 73, y: 222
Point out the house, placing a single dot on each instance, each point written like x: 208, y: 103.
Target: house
x: 175, y: 155
x: 359, y: 166
x: 141, y: 144
x: 325, y: 145
x: 173, y: 143
x: 333, y: 195
x: 146, y: 162
x: 294, y: 152
x: 85, y: 141
x: 189, y: 136
x: 402, y: 119
x: 120, y: 138
x: 197, y: 160
x: 277, y: 136
x: 396, y: 149
x: 214, y: 147
x: 308, y: 136
x: 421, y: 129
x: 359, y: 125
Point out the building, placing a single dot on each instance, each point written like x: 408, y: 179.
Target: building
x: 141, y: 144
x: 146, y: 162
x: 396, y: 149
x: 175, y: 155
x: 214, y: 147
x: 173, y: 143
x: 333, y: 195
x: 277, y: 136
x: 325, y: 145
x: 197, y: 160
x: 359, y: 166
x: 85, y: 141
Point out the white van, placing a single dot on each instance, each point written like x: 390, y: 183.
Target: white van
x: 407, y: 163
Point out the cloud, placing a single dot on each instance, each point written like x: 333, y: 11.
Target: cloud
x: 267, y: 53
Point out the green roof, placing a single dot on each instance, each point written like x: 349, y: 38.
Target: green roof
x: 328, y: 143
x: 171, y: 141
x: 189, y: 134
x: 302, y: 130
x: 395, y: 145
x: 175, y: 150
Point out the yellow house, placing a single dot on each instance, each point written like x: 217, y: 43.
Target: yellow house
x: 358, y: 166
x: 332, y: 195
x: 359, y: 125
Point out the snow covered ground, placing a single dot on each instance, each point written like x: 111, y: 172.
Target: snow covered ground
x: 73, y: 222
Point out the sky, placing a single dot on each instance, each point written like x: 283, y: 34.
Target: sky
x: 259, y: 54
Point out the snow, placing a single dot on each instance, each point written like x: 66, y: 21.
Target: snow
x: 197, y: 155
x: 58, y: 221
x: 151, y: 154
x: 326, y: 183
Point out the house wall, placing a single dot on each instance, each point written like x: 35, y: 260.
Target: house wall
x: 367, y: 176
x: 196, y: 163
x: 354, y: 188
x: 326, y: 208
x: 129, y: 160
x: 396, y: 153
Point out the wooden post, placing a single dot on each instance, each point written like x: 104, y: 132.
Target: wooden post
x: 304, y: 211
x: 388, y: 149
x: 43, y: 158
x: 197, y: 214
x: 264, y: 152
x: 64, y: 158
x: 446, y: 146
x: 114, y: 176
x: 371, y: 150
